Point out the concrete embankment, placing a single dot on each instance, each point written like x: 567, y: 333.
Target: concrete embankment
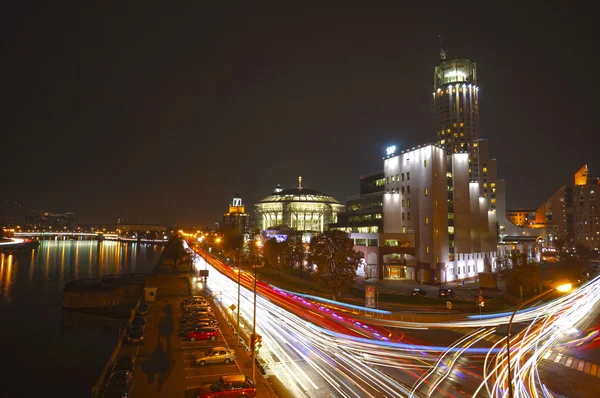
x: 170, y: 277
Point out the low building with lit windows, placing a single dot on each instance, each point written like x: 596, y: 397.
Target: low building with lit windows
x: 301, y: 209
x: 363, y: 220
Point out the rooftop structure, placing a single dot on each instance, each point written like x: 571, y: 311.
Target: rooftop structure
x: 302, y: 209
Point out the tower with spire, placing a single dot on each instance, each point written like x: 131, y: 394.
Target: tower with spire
x: 236, y: 218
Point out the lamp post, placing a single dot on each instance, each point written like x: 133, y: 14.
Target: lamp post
x: 562, y: 288
x: 258, y: 245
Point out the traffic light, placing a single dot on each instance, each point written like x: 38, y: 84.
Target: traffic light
x: 258, y: 342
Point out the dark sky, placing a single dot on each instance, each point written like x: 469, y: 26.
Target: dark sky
x: 161, y: 114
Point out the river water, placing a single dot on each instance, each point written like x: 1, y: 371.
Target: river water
x: 46, y: 351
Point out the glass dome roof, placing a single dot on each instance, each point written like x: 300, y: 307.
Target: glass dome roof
x: 299, y: 195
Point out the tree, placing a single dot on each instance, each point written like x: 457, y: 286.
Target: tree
x: 293, y: 253
x: 272, y: 252
x: 333, y: 254
x: 522, y: 274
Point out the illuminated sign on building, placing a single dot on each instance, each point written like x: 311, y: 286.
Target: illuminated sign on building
x: 391, y: 150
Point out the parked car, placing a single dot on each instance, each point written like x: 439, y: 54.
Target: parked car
x: 134, y: 335
x: 139, y: 321
x: 125, y: 362
x: 119, y: 385
x: 197, y: 317
x: 197, y: 310
x: 194, y: 300
x: 233, y: 386
x: 203, y: 334
x: 142, y: 309
x: 446, y: 293
x: 216, y: 355
x: 198, y: 322
x: 417, y: 291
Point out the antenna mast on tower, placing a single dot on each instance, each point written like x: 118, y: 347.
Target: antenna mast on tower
x: 442, y: 52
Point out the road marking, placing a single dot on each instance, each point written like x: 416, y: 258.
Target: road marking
x: 594, y: 369
x: 547, y: 355
x: 581, y: 365
x: 558, y: 357
x: 587, y: 368
x: 214, y: 377
x: 569, y: 362
x: 199, y: 376
x: 574, y: 364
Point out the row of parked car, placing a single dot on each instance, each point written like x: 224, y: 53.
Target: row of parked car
x: 442, y: 293
x: 119, y: 380
x: 137, y: 326
x: 197, y: 320
x: 198, y: 323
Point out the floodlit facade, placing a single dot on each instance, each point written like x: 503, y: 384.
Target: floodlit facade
x: 301, y: 209
x: 445, y: 229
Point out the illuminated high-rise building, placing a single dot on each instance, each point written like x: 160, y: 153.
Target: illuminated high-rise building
x: 456, y: 103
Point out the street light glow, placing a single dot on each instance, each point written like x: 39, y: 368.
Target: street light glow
x: 564, y: 287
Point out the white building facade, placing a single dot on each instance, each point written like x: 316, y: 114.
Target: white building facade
x: 444, y: 227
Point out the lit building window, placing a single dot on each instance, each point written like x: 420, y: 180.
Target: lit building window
x: 427, y: 249
x: 437, y: 232
x: 462, y: 124
x: 426, y: 220
x: 425, y: 163
x: 408, y: 176
x: 426, y: 191
x: 403, y: 230
x: 485, y: 169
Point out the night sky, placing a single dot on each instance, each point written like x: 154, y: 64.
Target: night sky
x: 161, y: 114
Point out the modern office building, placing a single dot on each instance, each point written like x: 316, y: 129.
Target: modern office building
x: 363, y: 220
x: 447, y: 230
x: 586, y: 200
x: 236, y: 218
x: 301, y: 209
x: 555, y: 213
x: 364, y: 213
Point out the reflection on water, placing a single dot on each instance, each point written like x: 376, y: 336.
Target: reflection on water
x: 31, y: 285
x: 64, y: 261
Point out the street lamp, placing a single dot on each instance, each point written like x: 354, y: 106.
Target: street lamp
x: 258, y: 246
x: 561, y: 287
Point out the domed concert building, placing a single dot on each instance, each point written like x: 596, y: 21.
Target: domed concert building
x: 301, y: 209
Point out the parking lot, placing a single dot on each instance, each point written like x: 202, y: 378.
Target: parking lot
x: 164, y: 364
